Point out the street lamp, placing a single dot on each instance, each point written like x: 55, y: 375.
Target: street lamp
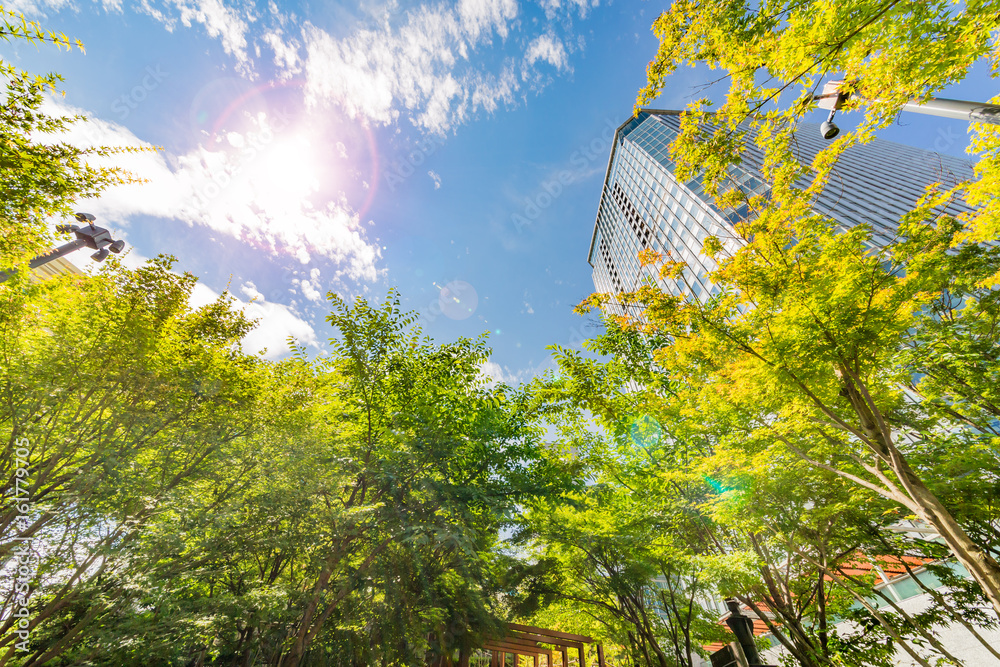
x: 90, y: 236
x: 833, y: 99
x: 87, y: 236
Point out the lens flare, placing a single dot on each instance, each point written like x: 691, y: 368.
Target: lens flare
x: 645, y: 432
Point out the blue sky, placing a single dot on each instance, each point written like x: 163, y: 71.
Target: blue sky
x: 453, y: 150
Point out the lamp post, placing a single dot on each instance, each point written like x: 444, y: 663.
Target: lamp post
x: 87, y: 236
x: 974, y: 112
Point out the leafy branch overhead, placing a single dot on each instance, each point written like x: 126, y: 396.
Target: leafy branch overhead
x: 41, y: 175
x: 777, y: 55
x: 16, y: 26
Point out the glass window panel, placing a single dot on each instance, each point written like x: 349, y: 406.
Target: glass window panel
x: 907, y: 588
x: 928, y: 579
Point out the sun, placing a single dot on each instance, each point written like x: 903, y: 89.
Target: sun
x: 289, y: 168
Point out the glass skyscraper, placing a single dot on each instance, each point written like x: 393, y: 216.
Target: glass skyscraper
x: 643, y: 205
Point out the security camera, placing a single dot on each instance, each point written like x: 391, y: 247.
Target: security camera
x: 828, y: 129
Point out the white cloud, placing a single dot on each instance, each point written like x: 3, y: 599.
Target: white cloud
x: 37, y: 8
x: 482, y: 16
x: 310, y: 287
x: 219, y: 21
x: 421, y: 67
x: 425, y: 64
x: 552, y: 7
x: 286, y: 54
x: 547, y: 48
x: 493, y: 373
x: 251, y: 291
x: 436, y: 178
x: 488, y: 91
x: 266, y: 195
x: 275, y: 322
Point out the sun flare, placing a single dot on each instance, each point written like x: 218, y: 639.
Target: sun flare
x: 290, y: 168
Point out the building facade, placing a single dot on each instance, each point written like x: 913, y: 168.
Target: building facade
x: 643, y: 205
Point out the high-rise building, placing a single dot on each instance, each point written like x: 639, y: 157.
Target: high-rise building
x: 644, y: 205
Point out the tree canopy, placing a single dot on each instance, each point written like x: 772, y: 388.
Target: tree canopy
x: 194, y: 503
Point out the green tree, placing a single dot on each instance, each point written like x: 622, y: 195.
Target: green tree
x: 776, y: 55
x: 127, y: 401
x: 808, y: 347
x: 599, y: 554
x: 813, y: 323
x: 696, y: 497
x: 358, y: 524
x: 437, y: 462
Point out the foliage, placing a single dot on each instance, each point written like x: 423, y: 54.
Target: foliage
x: 777, y: 55
x: 834, y: 391
x: 16, y: 26
x: 41, y: 177
x: 435, y: 462
x: 191, y: 503
x: 128, y: 402
x: 873, y: 362
x: 700, y: 489
x: 600, y: 553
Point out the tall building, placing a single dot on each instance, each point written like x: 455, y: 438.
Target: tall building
x: 643, y: 204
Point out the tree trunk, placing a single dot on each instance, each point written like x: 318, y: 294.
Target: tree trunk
x: 920, y: 499
x: 983, y: 568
